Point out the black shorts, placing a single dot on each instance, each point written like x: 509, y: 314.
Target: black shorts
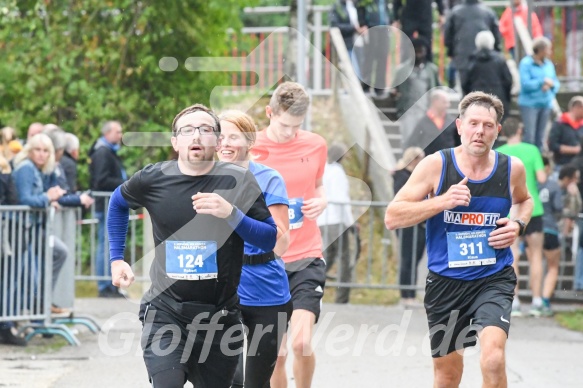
x: 307, y: 278
x: 171, y: 342
x: 551, y: 242
x: 458, y: 309
x: 534, y: 226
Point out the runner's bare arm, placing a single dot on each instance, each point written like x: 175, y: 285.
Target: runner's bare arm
x: 522, y: 205
x: 409, y: 207
x: 522, y: 202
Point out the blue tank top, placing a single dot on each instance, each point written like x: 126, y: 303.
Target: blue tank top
x: 265, y: 284
x: 457, y: 239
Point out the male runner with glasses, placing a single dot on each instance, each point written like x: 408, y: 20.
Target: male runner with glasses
x: 202, y: 211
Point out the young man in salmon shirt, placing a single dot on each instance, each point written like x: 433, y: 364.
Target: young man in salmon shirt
x: 300, y: 157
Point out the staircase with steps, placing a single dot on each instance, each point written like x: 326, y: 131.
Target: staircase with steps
x: 388, y: 114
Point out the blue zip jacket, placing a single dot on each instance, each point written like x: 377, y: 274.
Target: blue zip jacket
x: 532, y: 77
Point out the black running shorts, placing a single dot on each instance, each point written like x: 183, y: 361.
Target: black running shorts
x: 458, y: 309
x: 307, y: 278
x: 208, y: 358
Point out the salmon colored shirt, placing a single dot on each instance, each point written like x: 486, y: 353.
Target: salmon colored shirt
x: 301, y: 162
x: 507, y: 25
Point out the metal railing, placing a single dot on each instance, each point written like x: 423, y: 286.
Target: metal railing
x: 265, y: 45
x: 26, y: 272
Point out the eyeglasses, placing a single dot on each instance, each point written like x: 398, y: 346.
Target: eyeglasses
x: 204, y: 130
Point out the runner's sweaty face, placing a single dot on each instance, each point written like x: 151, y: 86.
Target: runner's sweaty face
x: 478, y: 129
x: 195, y: 147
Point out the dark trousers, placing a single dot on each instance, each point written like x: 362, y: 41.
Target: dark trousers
x: 375, y: 59
x: 336, y: 244
x: 412, y: 247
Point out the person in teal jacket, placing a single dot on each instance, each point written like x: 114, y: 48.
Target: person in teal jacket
x: 538, y: 87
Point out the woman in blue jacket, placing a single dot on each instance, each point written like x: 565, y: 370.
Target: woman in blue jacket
x: 538, y: 87
x: 264, y: 288
x: 36, y: 186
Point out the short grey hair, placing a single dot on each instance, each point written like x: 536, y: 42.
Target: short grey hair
x: 108, y: 126
x: 71, y: 142
x: 57, y: 136
x: 485, y: 40
x: 540, y: 43
x: 438, y: 93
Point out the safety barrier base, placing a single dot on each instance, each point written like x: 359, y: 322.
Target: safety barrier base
x: 49, y: 330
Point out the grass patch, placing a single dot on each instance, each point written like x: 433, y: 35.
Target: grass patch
x: 85, y: 289
x: 40, y: 345
x: 571, y: 320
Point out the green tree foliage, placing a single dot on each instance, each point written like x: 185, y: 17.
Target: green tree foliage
x: 78, y: 63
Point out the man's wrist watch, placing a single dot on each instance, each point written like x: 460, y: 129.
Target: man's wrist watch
x: 521, y: 225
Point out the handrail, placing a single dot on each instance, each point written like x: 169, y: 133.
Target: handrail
x: 378, y: 147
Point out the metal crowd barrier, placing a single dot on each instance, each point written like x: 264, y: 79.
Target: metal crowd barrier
x: 373, y: 252
x: 376, y: 263
x: 86, y: 265
x: 26, y: 268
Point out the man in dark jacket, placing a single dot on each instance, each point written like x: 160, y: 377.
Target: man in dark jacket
x: 107, y: 173
x: 69, y: 160
x: 462, y: 25
x: 344, y: 15
x: 416, y: 16
x: 565, y: 136
x: 436, y: 130
x: 488, y: 71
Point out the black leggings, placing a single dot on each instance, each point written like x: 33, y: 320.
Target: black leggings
x: 261, y: 349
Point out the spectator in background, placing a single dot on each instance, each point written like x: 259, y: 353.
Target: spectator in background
x: 8, y: 333
x: 411, y: 95
x: 375, y: 16
x: 69, y: 160
x: 36, y: 186
x: 436, y: 130
x: 578, y: 161
x: 462, y: 25
x: 107, y: 172
x: 517, y: 8
x: 533, y: 235
x: 538, y: 87
x: 336, y: 220
x: 551, y: 196
x: 412, y: 239
x: 415, y: 19
x: 488, y: 71
x: 34, y: 129
x: 58, y: 137
x: 8, y: 143
x: 565, y: 135
x: 344, y: 15
x: 573, y: 19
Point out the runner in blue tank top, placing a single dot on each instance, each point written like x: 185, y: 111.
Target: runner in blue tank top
x: 264, y: 294
x: 466, y: 202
